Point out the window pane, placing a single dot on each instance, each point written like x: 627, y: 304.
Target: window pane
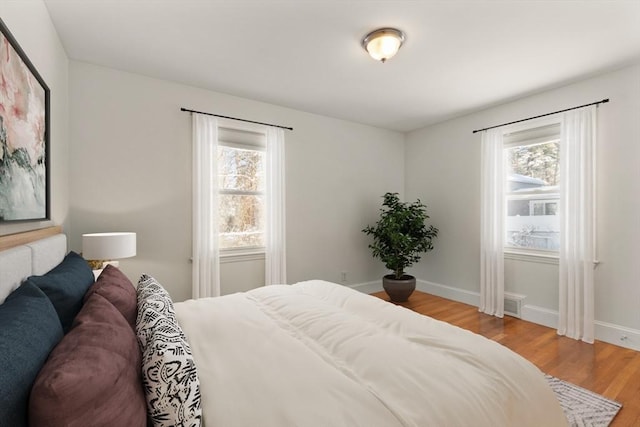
x: 240, y: 169
x: 537, y: 208
x: 518, y: 207
x: 537, y: 226
x: 533, y: 166
x: 241, y: 221
x: 533, y: 178
x: 551, y: 208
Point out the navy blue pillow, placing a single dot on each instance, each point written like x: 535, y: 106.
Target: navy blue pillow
x: 65, y: 286
x: 29, y: 330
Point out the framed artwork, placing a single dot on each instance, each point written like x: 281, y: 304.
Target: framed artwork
x: 24, y: 136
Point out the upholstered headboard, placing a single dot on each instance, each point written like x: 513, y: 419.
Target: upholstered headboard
x: 34, y: 258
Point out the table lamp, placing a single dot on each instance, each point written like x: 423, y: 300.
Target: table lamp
x: 100, y: 249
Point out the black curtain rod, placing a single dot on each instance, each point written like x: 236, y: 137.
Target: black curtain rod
x: 235, y: 118
x: 604, y: 101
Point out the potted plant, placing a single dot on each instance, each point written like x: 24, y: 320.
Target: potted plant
x: 399, y: 238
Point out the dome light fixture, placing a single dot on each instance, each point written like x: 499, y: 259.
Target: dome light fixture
x: 383, y: 43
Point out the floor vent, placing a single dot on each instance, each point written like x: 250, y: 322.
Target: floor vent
x: 513, y: 305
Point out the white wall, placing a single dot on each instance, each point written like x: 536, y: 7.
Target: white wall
x: 130, y: 170
x: 443, y: 169
x: 29, y: 22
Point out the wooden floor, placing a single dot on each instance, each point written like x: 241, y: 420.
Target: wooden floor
x: 609, y: 370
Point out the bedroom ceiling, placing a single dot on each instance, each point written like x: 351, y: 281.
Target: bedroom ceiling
x: 459, y: 56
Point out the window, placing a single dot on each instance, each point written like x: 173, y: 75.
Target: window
x: 241, y: 186
x: 532, y: 191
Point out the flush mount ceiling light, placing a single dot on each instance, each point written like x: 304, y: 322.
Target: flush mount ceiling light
x: 383, y: 43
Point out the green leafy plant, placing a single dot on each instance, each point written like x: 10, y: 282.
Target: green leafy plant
x: 400, y: 236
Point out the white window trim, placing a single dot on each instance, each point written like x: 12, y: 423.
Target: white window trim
x: 242, y: 255
x: 541, y: 136
x: 532, y: 255
x: 246, y: 253
x: 241, y: 146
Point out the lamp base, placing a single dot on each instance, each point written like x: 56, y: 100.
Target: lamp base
x: 95, y: 264
x: 99, y: 264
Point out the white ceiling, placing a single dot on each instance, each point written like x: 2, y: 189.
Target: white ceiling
x: 459, y: 56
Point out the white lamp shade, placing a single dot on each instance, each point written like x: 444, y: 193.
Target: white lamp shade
x: 108, y: 246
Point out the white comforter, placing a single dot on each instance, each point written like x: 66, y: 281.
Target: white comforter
x: 320, y: 354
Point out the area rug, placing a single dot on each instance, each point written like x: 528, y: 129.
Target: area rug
x: 583, y: 408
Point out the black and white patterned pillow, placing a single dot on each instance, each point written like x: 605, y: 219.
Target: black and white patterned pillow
x: 169, y: 374
x: 154, y: 305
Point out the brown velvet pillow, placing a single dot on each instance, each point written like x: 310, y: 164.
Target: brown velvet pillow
x: 92, y: 377
x: 118, y: 290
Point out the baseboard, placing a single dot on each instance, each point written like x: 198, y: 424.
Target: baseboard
x: 618, y: 335
x: 540, y: 315
x: 448, y: 292
x: 368, y: 287
x: 606, y: 332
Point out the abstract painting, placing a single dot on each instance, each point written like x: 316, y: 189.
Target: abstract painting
x: 24, y: 135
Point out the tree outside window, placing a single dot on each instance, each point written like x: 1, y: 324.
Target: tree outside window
x: 241, y: 181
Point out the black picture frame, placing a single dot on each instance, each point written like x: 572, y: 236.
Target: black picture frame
x: 25, y: 193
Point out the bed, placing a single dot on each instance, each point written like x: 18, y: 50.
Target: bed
x: 309, y: 354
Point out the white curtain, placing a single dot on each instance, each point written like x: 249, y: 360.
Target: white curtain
x: 492, y: 224
x: 206, y: 253
x: 577, y: 213
x: 275, y: 257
